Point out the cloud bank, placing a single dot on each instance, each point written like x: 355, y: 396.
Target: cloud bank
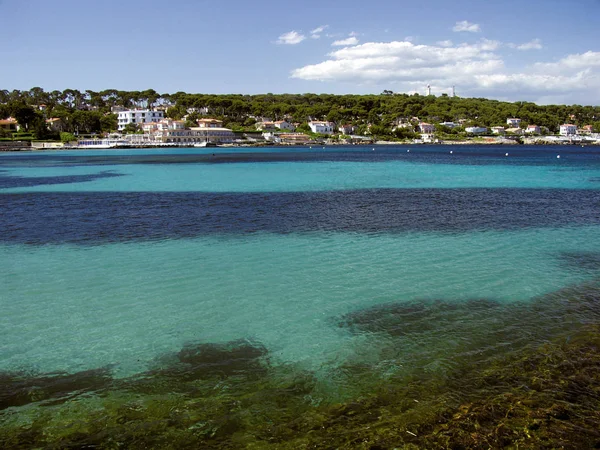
x: 476, y: 69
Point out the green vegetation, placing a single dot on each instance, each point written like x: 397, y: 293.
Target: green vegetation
x: 91, y: 112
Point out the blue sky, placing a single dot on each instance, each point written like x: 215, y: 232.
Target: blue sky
x: 544, y: 51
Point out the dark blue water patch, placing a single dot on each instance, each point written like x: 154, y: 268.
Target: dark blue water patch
x: 90, y: 218
x: 440, y: 154
x: 7, y: 181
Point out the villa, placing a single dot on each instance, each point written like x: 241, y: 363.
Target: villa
x: 568, y: 130
x: 346, y: 129
x: 476, y: 130
x: 513, y: 122
x: 265, y: 126
x: 426, y: 128
x: 284, y: 125
x: 533, y: 129
x: 9, y: 124
x: 321, y: 127
x: 137, y: 117
x: 210, y: 123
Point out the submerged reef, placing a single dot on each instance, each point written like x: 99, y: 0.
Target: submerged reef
x: 513, y: 375
x: 17, y: 389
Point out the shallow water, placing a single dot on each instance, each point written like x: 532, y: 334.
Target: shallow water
x: 347, y: 264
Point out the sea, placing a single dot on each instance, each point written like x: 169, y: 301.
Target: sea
x: 401, y: 259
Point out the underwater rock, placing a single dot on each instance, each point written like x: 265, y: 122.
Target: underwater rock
x: 581, y: 260
x: 206, y: 360
x: 17, y: 389
x: 398, y: 319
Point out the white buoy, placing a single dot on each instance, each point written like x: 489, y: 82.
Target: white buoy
x: 408, y: 151
x: 558, y: 156
x: 506, y: 154
x: 450, y: 151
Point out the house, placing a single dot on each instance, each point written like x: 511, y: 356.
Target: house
x: 265, y: 126
x: 9, y: 124
x: 321, y: 127
x: 568, y: 129
x: 55, y: 124
x: 533, y: 129
x: 137, y: 117
x: 476, y: 130
x: 426, y: 128
x: 517, y: 131
x: 284, y: 125
x: 498, y: 130
x: 210, y: 123
x: 587, y: 129
x: 449, y: 124
x: 203, y: 110
x: 347, y: 129
x: 163, y: 125
x: 513, y: 122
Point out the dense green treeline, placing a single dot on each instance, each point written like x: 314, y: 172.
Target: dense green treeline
x: 92, y: 112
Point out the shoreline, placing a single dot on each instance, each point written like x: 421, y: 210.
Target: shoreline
x: 25, y: 148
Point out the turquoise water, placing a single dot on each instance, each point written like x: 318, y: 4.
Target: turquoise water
x: 411, y: 170
x: 69, y: 307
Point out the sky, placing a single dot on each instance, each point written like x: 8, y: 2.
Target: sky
x: 545, y: 51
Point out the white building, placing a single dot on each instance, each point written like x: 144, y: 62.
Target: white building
x: 449, y: 124
x: 283, y: 125
x: 498, y: 130
x: 568, y: 130
x: 321, y: 127
x: 533, y: 129
x: 138, y: 117
x: 163, y: 125
x: 517, y: 131
x: 476, y: 130
x: 513, y: 122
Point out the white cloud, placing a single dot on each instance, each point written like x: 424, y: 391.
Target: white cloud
x: 291, y: 38
x: 319, y: 29
x: 316, y: 33
x: 535, y: 44
x: 465, y: 25
x: 476, y: 70
x: 348, y: 41
x: 401, y: 60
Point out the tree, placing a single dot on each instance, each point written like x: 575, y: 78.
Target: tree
x: 67, y: 137
x: 24, y: 114
x: 109, y: 122
x: 131, y: 128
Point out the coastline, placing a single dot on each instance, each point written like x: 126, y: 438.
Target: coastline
x: 472, y: 142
